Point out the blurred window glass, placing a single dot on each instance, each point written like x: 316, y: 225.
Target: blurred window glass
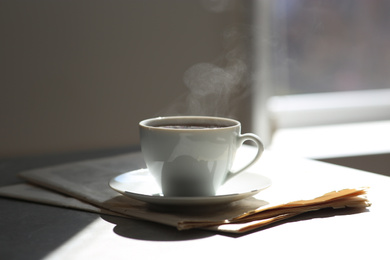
x: 308, y: 51
x: 337, y: 45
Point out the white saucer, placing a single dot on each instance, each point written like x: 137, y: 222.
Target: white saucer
x: 140, y: 185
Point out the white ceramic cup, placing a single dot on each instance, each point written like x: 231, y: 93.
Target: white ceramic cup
x: 193, y: 155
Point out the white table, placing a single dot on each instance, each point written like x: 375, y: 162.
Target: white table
x: 328, y: 234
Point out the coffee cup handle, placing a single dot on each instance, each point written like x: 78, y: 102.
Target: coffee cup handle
x: 260, y: 148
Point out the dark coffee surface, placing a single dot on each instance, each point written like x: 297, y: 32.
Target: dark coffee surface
x: 172, y: 126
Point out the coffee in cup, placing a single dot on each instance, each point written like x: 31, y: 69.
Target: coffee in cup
x: 193, y: 155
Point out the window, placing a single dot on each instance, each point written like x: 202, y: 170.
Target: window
x: 320, y: 62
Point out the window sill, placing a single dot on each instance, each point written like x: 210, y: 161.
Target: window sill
x: 364, y: 146
x: 331, y: 141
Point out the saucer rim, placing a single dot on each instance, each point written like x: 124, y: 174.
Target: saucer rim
x: 190, y: 201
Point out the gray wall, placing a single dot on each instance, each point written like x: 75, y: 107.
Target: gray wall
x: 79, y: 75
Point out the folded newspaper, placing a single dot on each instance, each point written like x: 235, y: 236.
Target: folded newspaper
x: 84, y: 185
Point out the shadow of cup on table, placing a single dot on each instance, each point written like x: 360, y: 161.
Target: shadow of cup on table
x: 142, y: 229
x: 151, y: 231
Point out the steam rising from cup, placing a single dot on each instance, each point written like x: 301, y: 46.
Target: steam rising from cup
x: 216, y: 88
x: 213, y: 90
